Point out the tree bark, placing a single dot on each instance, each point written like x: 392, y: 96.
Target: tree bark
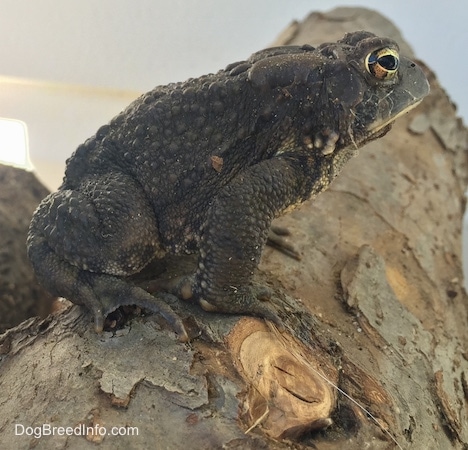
x: 20, y: 295
x: 374, y: 353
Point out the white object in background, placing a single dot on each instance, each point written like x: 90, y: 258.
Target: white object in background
x: 14, y: 148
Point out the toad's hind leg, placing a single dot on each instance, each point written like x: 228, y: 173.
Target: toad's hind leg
x: 101, y: 293
x: 82, y: 244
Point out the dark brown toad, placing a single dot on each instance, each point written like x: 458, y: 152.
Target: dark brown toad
x: 205, y: 166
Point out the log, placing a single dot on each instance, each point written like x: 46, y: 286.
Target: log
x: 374, y: 349
x: 20, y: 295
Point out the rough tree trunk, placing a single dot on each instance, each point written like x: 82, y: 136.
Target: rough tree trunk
x: 375, y: 306
x: 20, y: 296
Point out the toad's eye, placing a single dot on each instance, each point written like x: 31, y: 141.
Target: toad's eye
x: 383, y: 64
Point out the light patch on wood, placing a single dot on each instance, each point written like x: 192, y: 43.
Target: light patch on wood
x: 286, y: 394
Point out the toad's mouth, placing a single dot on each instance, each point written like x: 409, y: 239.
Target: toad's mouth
x: 376, y: 127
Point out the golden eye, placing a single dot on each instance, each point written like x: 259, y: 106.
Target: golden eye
x: 383, y: 64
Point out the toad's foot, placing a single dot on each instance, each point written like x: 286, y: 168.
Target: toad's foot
x: 110, y: 293
x: 249, y: 300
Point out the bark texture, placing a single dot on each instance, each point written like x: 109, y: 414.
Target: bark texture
x: 375, y: 307
x: 20, y: 295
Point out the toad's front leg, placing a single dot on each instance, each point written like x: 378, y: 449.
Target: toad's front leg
x: 236, y: 231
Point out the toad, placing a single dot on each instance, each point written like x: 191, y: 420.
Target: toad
x: 204, y: 166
